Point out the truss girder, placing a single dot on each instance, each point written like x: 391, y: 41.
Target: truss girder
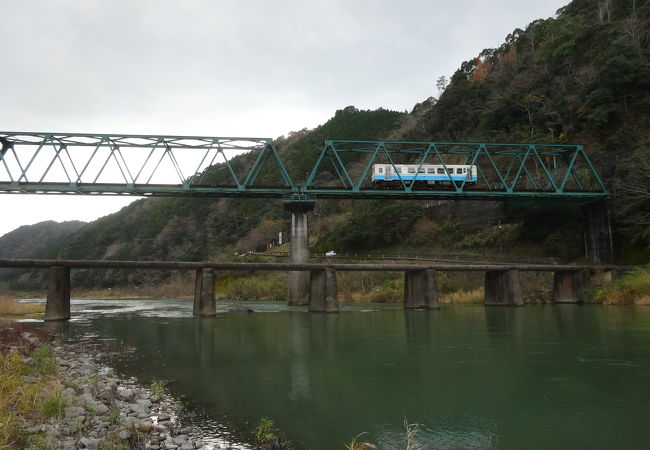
x: 138, y: 165
x: 145, y: 165
x: 503, y: 170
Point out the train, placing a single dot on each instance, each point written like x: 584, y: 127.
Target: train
x: 428, y: 175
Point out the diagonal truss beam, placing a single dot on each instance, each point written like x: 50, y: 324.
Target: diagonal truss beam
x: 120, y: 164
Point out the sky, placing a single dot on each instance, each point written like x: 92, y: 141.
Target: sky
x: 225, y: 67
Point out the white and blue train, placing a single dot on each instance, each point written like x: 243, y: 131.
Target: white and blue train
x: 387, y: 175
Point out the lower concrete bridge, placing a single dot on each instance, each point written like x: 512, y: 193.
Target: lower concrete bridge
x: 502, y: 286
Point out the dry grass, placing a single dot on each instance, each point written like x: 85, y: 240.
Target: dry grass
x: 461, y: 296
x: 9, y: 307
x: 23, y: 402
x: 632, y: 289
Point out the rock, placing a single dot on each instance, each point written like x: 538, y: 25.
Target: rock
x: 180, y: 439
x: 124, y: 393
x: 28, y: 378
x: 155, y: 398
x: 144, y: 402
x: 72, y: 412
x: 124, y: 435
x: 69, y: 392
x: 145, y: 427
x: 187, y: 446
x: 139, y: 409
x: 106, y: 394
x: 100, y: 409
x: 164, y: 418
x: 89, y: 442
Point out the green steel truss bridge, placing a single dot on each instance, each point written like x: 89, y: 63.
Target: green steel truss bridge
x: 142, y: 165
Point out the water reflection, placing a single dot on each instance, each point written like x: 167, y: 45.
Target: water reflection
x: 473, y: 377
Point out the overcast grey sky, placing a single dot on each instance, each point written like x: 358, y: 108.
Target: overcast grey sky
x: 225, y: 67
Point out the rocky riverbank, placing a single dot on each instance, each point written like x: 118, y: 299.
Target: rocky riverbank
x: 90, y: 406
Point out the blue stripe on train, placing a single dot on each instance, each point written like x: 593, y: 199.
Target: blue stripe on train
x: 422, y: 177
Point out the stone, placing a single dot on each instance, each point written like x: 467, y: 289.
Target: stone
x: 124, y: 393
x: 180, y: 439
x: 89, y: 442
x: 144, y: 402
x: 187, y: 446
x: 124, y: 434
x: 164, y: 417
x: 72, y: 412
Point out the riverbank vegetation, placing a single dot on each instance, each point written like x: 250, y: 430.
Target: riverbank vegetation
x: 633, y: 288
x: 9, y: 307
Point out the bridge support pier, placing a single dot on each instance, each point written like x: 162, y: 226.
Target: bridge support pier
x: 204, y: 299
x: 420, y: 289
x: 598, y: 233
x: 502, y: 288
x: 57, y: 305
x: 567, y: 286
x: 598, y: 277
x: 298, y: 281
x: 323, y: 293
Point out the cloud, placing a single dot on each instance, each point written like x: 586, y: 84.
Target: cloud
x: 228, y: 67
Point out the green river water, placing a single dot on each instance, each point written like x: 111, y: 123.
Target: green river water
x: 472, y: 377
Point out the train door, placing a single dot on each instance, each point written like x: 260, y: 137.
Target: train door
x: 389, y: 173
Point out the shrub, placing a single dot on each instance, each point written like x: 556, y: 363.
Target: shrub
x: 633, y: 288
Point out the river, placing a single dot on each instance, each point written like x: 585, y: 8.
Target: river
x: 534, y: 377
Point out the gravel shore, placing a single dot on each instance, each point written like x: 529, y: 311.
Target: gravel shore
x: 105, y: 411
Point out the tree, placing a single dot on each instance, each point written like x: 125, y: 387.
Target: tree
x: 441, y: 84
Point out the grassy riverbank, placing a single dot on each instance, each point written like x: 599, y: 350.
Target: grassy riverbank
x: 632, y: 289
x: 9, y: 307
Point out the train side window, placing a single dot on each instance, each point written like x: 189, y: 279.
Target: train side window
x: 431, y: 170
x: 441, y: 170
x: 459, y: 171
x: 465, y: 170
x: 381, y: 170
x: 411, y: 169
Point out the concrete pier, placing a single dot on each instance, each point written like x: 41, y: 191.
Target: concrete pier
x: 323, y: 295
x: 204, y: 299
x: 567, y: 286
x: 57, y: 306
x: 502, y: 288
x: 420, y: 289
x: 598, y: 233
x: 598, y: 277
x: 298, y: 281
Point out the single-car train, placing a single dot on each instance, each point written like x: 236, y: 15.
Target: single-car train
x: 426, y: 175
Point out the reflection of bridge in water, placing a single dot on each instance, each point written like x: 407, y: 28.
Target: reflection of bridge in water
x: 239, y: 167
x: 502, y: 286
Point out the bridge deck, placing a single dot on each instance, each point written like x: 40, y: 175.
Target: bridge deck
x: 196, y: 265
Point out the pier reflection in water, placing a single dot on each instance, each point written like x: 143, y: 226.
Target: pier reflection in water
x: 473, y: 377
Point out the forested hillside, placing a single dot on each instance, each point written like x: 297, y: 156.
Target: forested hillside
x: 581, y: 77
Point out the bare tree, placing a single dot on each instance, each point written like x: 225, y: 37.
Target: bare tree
x: 633, y: 191
x: 441, y: 84
x: 605, y: 11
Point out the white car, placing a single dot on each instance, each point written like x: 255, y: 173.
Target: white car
x: 330, y: 253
